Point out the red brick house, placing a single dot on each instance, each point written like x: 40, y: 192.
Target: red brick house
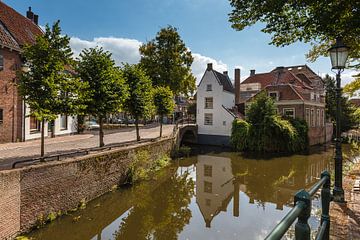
x: 16, y: 124
x: 297, y: 91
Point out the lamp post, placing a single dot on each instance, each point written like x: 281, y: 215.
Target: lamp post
x: 338, y: 55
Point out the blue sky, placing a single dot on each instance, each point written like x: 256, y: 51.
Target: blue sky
x: 121, y: 25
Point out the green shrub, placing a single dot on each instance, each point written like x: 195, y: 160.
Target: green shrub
x: 240, y: 134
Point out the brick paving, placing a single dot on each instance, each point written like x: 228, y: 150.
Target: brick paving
x: 11, y: 152
x: 345, y: 217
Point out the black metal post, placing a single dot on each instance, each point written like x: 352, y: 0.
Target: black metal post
x: 338, y: 190
x: 325, y: 204
x: 302, y: 228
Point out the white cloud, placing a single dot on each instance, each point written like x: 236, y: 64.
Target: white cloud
x: 200, y: 64
x: 127, y: 50
x: 346, y: 77
x: 122, y: 49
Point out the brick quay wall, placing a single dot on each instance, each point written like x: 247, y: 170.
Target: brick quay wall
x: 31, y: 193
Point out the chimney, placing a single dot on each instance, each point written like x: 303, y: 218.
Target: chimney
x: 209, y: 67
x: 36, y: 19
x: 225, y: 73
x: 237, y: 86
x: 252, y: 72
x: 33, y: 17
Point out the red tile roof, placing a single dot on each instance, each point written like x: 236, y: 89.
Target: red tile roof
x: 7, y: 40
x: 22, y: 29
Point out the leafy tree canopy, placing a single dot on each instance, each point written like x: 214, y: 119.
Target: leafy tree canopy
x: 48, y: 88
x: 168, y: 61
x: 106, y: 86
x: 318, y: 22
x: 163, y: 100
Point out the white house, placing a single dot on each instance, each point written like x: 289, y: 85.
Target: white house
x: 63, y: 125
x: 215, y: 100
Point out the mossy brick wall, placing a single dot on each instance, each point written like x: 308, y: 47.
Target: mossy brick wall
x: 60, y: 186
x: 9, y: 204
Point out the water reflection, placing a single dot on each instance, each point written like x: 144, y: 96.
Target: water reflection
x: 212, y: 196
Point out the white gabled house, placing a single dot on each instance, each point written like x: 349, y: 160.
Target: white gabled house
x: 215, y: 100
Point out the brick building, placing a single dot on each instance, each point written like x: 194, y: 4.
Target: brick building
x: 297, y: 91
x: 16, y: 124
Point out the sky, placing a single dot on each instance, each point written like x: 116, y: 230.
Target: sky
x: 121, y: 26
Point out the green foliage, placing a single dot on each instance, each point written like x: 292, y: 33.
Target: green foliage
x: 163, y: 100
x: 140, y: 102
x: 168, y: 61
x: 318, y: 22
x: 352, y: 87
x: 143, y: 167
x: 265, y: 131
x: 106, y: 88
x: 349, y: 117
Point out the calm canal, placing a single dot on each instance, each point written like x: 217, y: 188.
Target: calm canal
x: 208, y: 196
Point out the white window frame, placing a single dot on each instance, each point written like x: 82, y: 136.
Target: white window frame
x: 206, y: 103
x: 277, y: 95
x: 312, y: 117
x: 209, y: 122
x: 287, y: 109
x: 307, y: 116
x: 63, y: 128
x: 322, y: 117
x: 208, y: 87
x: 318, y: 117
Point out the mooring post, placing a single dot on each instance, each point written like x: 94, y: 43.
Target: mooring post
x: 302, y: 228
x: 325, y: 203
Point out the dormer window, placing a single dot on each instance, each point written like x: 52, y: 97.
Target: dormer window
x: 1, y: 62
x: 208, y: 87
x: 274, y: 95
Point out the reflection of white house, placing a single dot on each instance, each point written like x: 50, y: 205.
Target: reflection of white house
x: 215, y: 99
x: 214, y: 185
x: 63, y: 125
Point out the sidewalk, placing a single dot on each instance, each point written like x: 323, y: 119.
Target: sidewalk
x: 345, y: 217
x: 11, y: 152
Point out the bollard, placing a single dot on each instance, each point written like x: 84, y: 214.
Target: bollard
x: 302, y: 228
x: 325, y: 203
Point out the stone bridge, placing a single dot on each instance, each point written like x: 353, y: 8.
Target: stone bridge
x: 186, y: 133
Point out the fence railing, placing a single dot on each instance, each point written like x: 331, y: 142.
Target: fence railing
x: 302, y: 211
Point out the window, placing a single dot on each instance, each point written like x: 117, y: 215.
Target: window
x: 322, y: 117
x: 1, y: 115
x: 312, y: 118
x: 307, y: 116
x: 274, y: 95
x: 208, y: 87
x: 63, y: 122
x: 318, y: 117
x: 34, y: 125
x: 224, y: 123
x: 207, y: 170
x: 289, y: 112
x: 207, y: 187
x: 1, y: 62
x: 208, y: 103
x: 208, y: 119
x: 312, y: 96
x: 208, y: 202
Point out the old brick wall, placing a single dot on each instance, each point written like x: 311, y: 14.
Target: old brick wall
x: 55, y: 186
x: 9, y: 204
x: 10, y: 102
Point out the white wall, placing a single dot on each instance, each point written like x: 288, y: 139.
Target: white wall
x: 71, y: 128
x: 220, y: 98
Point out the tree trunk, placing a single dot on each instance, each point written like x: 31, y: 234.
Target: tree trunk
x: 137, y: 129
x: 42, y: 148
x: 161, y: 123
x: 101, y: 132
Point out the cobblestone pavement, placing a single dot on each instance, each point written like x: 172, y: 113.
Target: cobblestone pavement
x: 11, y: 152
x: 345, y: 217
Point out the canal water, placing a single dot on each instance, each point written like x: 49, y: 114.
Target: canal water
x: 214, y: 195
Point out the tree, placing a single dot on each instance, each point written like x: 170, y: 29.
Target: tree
x: 318, y: 22
x: 164, y: 103
x: 47, y: 87
x: 167, y: 61
x: 348, y: 117
x: 139, y: 102
x: 107, y: 90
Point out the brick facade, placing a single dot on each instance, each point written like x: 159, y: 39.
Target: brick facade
x: 33, y: 191
x: 10, y: 101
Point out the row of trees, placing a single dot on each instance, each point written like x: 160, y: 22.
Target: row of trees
x: 93, y: 84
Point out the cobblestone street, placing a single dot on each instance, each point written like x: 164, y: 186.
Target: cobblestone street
x: 11, y: 152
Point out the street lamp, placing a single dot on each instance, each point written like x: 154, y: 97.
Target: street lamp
x: 338, y: 55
